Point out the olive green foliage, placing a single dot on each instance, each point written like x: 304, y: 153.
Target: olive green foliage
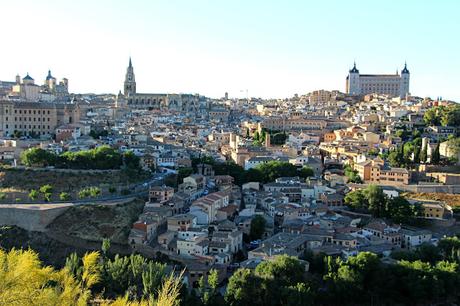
x: 352, y: 175
x: 25, y: 281
x: 373, y: 200
x: 443, y: 115
x: 92, y: 192
x: 257, y: 230
x: 33, y: 194
x: 429, y: 275
x: 103, y: 158
x: 47, y: 191
x: 140, y: 277
x: 64, y: 196
x: 264, y: 173
x: 277, y: 282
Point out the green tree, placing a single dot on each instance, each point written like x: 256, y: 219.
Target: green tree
x: 305, y: 172
x: 258, y: 224
x: 432, y: 117
x: 17, y: 134
x: 37, y: 157
x: 64, y: 196
x: 298, y: 295
x: 286, y: 270
x: 105, y: 246
x: 450, y: 116
x: 396, y: 157
x: 436, y: 157
x: 424, y: 154
x: 279, y: 138
x: 243, y: 289
x: 417, y: 151
x: 47, y: 191
x: 25, y: 281
x: 152, y: 277
x: 33, y: 194
x: 74, y: 265
x: 356, y: 200
x: 352, y: 175
x: 399, y: 210
x: 117, y: 276
x: 376, y: 199
x: 183, y: 173
x: 275, y: 169
x: 408, y: 150
x: 94, y: 191
x: 253, y: 175
x: 131, y: 161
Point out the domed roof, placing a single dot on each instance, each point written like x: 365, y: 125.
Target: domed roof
x: 49, y: 77
x: 27, y: 77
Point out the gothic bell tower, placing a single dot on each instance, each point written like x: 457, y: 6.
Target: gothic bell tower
x: 130, y: 81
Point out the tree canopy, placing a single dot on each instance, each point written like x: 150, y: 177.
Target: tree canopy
x: 373, y: 200
x: 103, y: 158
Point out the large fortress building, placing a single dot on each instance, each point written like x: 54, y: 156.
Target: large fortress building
x: 396, y: 85
x: 35, y: 110
x: 186, y: 103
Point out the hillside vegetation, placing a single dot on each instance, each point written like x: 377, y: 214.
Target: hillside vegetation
x: 96, y: 222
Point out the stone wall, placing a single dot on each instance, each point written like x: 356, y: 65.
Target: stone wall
x: 455, y: 189
x: 31, y: 217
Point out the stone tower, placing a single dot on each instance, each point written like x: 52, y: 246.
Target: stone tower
x: 353, y: 86
x: 404, y: 86
x: 267, y: 140
x: 130, y: 80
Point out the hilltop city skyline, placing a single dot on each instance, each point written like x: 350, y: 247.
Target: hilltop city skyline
x: 143, y: 86
x: 269, y: 49
x: 263, y: 153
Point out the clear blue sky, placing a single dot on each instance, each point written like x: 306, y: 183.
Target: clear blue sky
x: 271, y: 48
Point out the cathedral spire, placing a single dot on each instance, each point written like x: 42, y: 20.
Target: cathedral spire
x: 130, y: 80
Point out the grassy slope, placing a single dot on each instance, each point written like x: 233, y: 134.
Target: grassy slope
x: 452, y: 200
x: 95, y: 222
x: 51, y: 252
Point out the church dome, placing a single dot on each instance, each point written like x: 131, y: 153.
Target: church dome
x: 27, y: 78
x: 49, y: 76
